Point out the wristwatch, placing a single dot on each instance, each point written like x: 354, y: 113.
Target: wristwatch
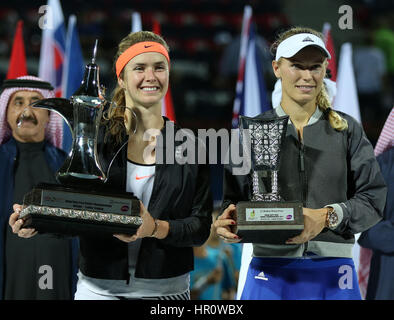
x: 332, y: 220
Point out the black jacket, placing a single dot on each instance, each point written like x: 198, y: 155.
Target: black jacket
x: 181, y: 195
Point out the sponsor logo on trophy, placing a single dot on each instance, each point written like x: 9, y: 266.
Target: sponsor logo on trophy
x: 267, y: 218
x: 79, y: 204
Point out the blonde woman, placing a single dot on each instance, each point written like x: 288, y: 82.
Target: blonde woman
x: 329, y: 165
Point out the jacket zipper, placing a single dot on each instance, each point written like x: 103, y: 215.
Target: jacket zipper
x: 303, y: 182
x: 302, y: 169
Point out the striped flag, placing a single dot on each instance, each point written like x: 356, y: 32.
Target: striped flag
x: 329, y: 43
x: 17, y: 66
x: 73, y: 71
x: 250, y: 100
x: 251, y: 95
x: 53, y: 47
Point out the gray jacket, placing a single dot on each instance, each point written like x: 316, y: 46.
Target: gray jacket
x: 328, y: 168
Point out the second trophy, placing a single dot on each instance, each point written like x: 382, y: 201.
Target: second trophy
x: 267, y: 218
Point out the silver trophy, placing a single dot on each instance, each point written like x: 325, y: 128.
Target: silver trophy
x: 80, y: 204
x: 267, y: 218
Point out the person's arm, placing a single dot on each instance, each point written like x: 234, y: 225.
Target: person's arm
x: 235, y: 189
x: 366, y: 186
x: 381, y: 236
x: 194, y: 230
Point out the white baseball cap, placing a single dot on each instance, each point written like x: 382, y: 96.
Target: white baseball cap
x: 290, y: 46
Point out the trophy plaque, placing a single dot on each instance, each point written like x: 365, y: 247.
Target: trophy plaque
x: 267, y: 218
x: 81, y: 204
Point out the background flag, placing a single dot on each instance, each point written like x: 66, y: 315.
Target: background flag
x: 346, y: 99
x: 136, y: 24
x: 167, y: 109
x: 17, y: 66
x: 329, y: 43
x: 251, y: 95
x: 250, y: 100
x: 53, y: 46
x: 73, y: 71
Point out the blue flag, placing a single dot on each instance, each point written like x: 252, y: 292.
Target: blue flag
x: 73, y: 71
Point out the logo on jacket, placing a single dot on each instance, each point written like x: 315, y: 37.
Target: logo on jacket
x: 261, y: 276
x: 142, y: 177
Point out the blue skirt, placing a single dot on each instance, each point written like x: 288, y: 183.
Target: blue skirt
x: 301, y: 279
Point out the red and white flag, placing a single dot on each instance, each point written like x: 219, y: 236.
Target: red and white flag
x: 53, y: 46
x: 329, y: 43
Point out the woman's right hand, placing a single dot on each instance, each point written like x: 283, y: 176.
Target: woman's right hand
x: 226, y: 223
x: 16, y: 224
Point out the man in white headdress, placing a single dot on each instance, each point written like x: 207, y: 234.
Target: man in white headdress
x: 42, y: 267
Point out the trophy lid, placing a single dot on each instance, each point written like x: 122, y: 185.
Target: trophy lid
x: 90, y: 85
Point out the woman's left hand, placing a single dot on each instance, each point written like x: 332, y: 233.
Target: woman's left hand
x: 145, y: 230
x: 314, y: 223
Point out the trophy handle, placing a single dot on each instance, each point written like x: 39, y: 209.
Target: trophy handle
x: 61, y: 106
x: 113, y: 159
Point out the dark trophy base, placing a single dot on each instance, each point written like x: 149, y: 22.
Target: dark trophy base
x: 269, y: 222
x: 60, y: 210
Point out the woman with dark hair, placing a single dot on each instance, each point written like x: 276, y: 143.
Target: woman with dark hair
x: 327, y: 163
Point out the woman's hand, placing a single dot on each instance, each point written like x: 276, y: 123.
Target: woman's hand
x: 226, y: 225
x: 314, y: 223
x: 145, y: 230
x: 16, y: 224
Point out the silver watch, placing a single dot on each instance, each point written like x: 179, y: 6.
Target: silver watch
x: 332, y: 220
